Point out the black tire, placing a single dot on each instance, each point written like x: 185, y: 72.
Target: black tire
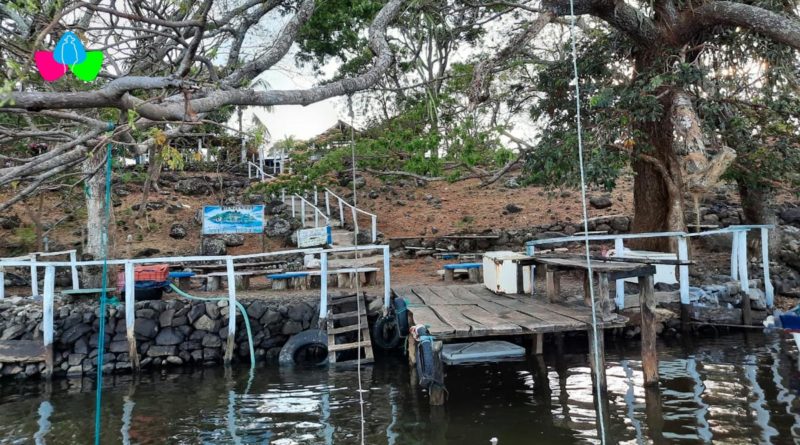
x: 386, y: 333
x: 425, y: 367
x: 400, y: 308
x: 297, y: 342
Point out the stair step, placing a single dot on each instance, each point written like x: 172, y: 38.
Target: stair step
x: 347, y: 315
x: 364, y: 361
x: 347, y: 346
x: 343, y: 329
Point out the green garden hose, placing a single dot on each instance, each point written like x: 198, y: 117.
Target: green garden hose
x: 238, y: 305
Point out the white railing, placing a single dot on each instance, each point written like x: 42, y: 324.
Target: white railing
x: 128, y: 264
x: 342, y: 203
x: 254, y: 171
x: 301, y: 208
x: 738, y: 255
x: 33, y: 259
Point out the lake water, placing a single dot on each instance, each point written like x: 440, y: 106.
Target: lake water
x: 730, y: 389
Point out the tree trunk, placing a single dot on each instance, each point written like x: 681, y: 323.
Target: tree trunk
x: 153, y: 173
x: 758, y: 208
x: 658, y: 187
x: 94, y: 172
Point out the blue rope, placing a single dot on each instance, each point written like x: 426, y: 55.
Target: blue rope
x: 101, y: 335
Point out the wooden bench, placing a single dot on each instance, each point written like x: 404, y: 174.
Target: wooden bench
x: 472, y: 269
x: 214, y: 279
x: 184, y: 278
x: 86, y: 292
x: 289, y: 280
x: 336, y: 278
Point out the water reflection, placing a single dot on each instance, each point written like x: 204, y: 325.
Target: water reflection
x: 725, y: 390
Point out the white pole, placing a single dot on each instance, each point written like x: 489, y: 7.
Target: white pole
x: 355, y: 225
x: 769, y: 291
x: 619, y: 251
x: 387, y: 280
x: 130, y: 298
x: 341, y: 212
x: 327, y: 203
x: 374, y: 228
x: 293, y: 211
x: 323, y: 287
x: 316, y: 217
x: 316, y: 204
x: 683, y: 257
x: 34, y: 277
x: 231, y: 309
x: 47, y: 314
x: 735, y: 256
x: 283, y: 196
x: 73, y: 258
x: 2, y: 283
x: 303, y: 211
x: 742, y: 260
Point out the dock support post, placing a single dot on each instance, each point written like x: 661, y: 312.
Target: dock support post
x: 597, y: 359
x: 47, y: 318
x: 387, y: 281
x: 769, y: 291
x: 130, y: 315
x: 34, y: 277
x: 647, y: 302
x: 231, y: 340
x: 619, y: 295
x: 436, y: 393
x: 747, y: 314
x: 323, y: 289
x: 73, y: 259
x: 741, y: 249
x: 553, y: 285
x: 537, y: 344
x: 683, y: 274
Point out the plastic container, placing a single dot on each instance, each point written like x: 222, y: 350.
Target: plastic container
x: 151, y: 272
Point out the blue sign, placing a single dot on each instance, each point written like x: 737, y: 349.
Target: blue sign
x: 233, y: 219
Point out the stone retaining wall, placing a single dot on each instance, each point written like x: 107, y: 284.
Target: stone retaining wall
x: 168, y: 333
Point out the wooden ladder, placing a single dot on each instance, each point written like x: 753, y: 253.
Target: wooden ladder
x: 341, y: 324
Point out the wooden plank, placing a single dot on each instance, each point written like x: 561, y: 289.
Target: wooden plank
x: 26, y: 351
x: 346, y: 346
x: 405, y: 293
x: 427, y: 296
x: 525, y: 321
x: 458, y: 294
x: 343, y: 329
x: 342, y: 315
x: 463, y: 327
x: 555, y: 321
x: 491, y: 321
x: 425, y: 315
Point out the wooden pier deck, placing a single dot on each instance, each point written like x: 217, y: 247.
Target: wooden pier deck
x: 469, y: 311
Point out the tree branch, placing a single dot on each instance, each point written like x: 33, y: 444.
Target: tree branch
x: 618, y: 14
x: 780, y: 28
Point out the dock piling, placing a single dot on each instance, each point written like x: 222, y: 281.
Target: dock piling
x: 647, y: 302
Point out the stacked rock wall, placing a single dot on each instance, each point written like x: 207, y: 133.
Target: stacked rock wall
x: 172, y: 332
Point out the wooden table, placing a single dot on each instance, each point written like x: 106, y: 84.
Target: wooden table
x: 609, y: 271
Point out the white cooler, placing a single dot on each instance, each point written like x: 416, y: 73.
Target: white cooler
x: 500, y: 272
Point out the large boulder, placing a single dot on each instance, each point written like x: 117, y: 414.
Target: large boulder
x: 232, y: 239
x: 9, y: 222
x: 278, y: 227
x: 178, y: 231
x: 600, y: 202
x: 791, y: 215
x: 193, y: 187
x: 214, y: 247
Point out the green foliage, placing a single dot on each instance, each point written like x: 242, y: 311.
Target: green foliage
x: 335, y: 30
x: 26, y: 238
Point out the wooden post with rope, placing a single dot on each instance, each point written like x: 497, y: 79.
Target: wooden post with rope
x: 436, y: 393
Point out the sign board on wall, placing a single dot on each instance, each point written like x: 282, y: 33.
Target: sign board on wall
x: 233, y: 219
x: 318, y: 236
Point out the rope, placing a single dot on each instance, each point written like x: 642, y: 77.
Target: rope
x: 358, y: 280
x: 595, y: 330
x: 101, y: 335
x: 241, y: 309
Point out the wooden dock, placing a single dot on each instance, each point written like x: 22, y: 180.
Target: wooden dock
x: 469, y: 311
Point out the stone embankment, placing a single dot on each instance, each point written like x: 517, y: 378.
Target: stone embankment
x: 168, y: 333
